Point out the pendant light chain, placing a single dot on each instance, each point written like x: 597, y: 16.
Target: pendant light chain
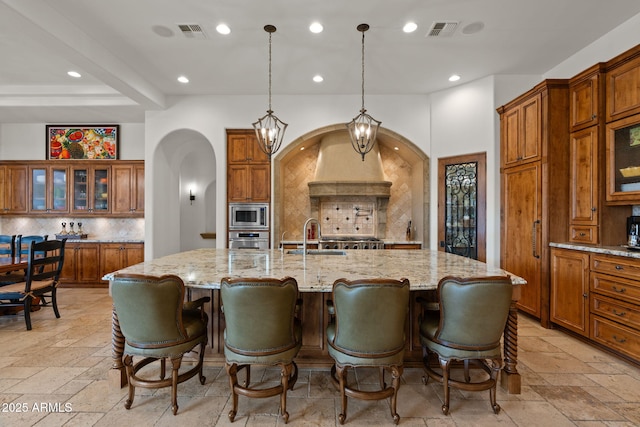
x: 363, y: 128
x: 269, y: 128
x: 363, y: 72
x: 270, y: 34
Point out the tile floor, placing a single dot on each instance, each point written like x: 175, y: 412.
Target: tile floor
x: 55, y: 375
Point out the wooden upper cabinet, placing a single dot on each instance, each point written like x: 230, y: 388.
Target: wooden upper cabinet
x: 623, y: 85
x: 248, y: 168
x: 585, y: 98
x: 583, y: 191
x: 14, y: 185
x: 521, y: 132
x: 243, y: 148
x: 248, y: 183
x: 128, y: 189
x: 49, y: 188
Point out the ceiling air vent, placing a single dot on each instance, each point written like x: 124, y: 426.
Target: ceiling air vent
x: 442, y: 29
x: 192, y: 31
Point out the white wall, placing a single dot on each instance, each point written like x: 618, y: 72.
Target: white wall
x: 27, y: 141
x: 612, y: 44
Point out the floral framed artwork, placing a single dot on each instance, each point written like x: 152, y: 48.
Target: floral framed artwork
x: 82, y: 142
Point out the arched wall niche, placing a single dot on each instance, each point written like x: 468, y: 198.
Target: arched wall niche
x: 404, y: 164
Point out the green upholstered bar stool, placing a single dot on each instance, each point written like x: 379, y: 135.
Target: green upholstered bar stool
x: 261, y: 328
x: 157, y: 324
x: 467, y: 328
x: 368, y: 330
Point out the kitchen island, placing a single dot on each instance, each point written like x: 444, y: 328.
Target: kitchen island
x: 202, y: 270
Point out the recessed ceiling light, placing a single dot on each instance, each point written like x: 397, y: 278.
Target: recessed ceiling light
x: 183, y: 79
x: 454, y: 78
x: 410, y: 27
x: 318, y: 78
x: 316, y: 27
x: 396, y: 148
x: 223, y: 29
x: 301, y: 148
x: 74, y: 74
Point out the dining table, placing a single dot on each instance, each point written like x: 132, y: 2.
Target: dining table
x: 202, y: 270
x: 9, y: 264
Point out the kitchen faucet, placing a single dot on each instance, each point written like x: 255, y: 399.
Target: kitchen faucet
x: 304, y: 233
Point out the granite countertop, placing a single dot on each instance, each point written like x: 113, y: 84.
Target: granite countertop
x: 204, y: 268
x: 600, y: 249
x: 315, y: 241
x: 104, y: 240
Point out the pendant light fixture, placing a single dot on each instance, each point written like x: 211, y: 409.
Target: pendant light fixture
x: 269, y: 128
x: 363, y: 128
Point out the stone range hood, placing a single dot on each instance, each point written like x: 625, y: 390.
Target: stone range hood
x: 342, y: 176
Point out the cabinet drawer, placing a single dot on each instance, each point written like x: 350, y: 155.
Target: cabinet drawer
x: 616, y: 287
x: 615, y: 336
x: 583, y: 234
x: 618, y: 311
x: 618, y: 266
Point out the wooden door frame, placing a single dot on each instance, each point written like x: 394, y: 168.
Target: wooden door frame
x: 481, y: 206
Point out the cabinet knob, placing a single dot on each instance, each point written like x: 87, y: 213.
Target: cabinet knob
x: 593, y: 209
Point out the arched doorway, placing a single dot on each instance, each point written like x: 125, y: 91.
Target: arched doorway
x: 184, y: 162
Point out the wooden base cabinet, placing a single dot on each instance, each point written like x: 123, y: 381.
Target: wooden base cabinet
x: 85, y: 263
x: 615, y: 303
x: 116, y: 256
x: 570, y: 290
x: 598, y: 296
x: 81, y: 266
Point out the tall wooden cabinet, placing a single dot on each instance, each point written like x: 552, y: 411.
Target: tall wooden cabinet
x: 248, y: 168
x: 534, y: 130
x: 591, y: 220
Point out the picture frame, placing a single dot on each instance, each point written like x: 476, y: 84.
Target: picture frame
x: 82, y: 142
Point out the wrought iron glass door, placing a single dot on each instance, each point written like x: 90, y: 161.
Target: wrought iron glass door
x: 462, y: 206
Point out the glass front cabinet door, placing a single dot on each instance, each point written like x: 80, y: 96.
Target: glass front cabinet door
x: 90, y: 187
x: 623, y: 161
x: 49, y: 189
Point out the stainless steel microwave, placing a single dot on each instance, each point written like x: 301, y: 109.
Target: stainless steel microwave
x: 248, y: 216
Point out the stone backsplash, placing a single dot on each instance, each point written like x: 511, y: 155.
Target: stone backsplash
x: 95, y: 228
x: 297, y: 208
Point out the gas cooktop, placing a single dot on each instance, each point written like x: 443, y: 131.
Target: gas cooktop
x: 349, y: 239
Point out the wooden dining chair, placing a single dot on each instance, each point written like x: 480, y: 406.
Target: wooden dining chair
x: 43, y: 273
x: 23, y: 243
x: 7, y: 245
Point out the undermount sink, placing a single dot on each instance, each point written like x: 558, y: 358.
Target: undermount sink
x: 317, y: 252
